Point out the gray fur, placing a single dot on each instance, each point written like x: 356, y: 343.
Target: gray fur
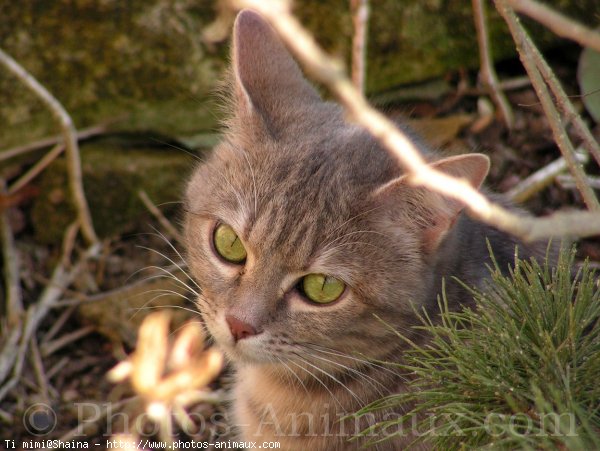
x: 298, y: 184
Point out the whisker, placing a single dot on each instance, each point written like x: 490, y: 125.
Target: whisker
x: 163, y: 273
x: 319, y: 381
x: 169, y: 259
x: 182, y: 149
x: 337, y: 353
x: 359, y: 375
x: 282, y: 362
x: 332, y: 377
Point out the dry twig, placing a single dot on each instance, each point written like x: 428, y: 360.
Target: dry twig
x: 360, y: 19
x: 10, y: 256
x: 565, y: 104
x: 541, y: 178
x: 527, y: 50
x: 36, y: 169
x: 49, y: 142
x: 70, y: 141
x: 324, y: 69
x: 169, y: 228
x: 567, y: 181
x: 558, y: 23
x: 487, y: 73
x: 61, y: 278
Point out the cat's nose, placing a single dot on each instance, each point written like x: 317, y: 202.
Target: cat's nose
x: 240, y: 329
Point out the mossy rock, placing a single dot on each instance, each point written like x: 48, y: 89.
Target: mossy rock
x: 144, y: 65
x: 113, y: 176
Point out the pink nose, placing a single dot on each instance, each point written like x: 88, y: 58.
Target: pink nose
x: 239, y: 329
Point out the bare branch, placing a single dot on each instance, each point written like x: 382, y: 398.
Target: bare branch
x: 10, y: 256
x: 541, y: 178
x: 169, y: 228
x: 61, y: 278
x: 565, y: 104
x: 568, y: 182
x: 49, y: 142
x: 487, y: 72
x: 324, y: 69
x: 35, y: 170
x: 360, y: 20
x: 526, y: 50
x: 70, y: 141
x: 559, y: 24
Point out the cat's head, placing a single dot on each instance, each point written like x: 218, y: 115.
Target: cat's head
x: 301, y: 231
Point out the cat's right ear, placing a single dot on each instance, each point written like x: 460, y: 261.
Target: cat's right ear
x: 429, y: 213
x: 268, y: 82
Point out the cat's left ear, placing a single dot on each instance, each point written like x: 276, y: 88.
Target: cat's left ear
x: 431, y: 213
x: 268, y: 82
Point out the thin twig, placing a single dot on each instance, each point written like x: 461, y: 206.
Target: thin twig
x: 58, y: 323
x: 487, y: 73
x: 568, y: 182
x: 565, y: 104
x: 38, y: 366
x: 6, y: 417
x: 329, y: 72
x: 57, y: 367
x: 169, y: 228
x: 526, y: 49
x: 49, y: 142
x: 53, y: 346
x: 541, y: 178
x: 61, y: 278
x: 14, y: 296
x: 558, y: 23
x: 70, y: 141
x: 360, y: 20
x: 9, y: 353
x: 36, y: 169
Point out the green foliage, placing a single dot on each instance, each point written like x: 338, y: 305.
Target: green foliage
x: 519, y: 371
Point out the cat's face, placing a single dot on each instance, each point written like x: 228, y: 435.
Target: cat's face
x: 300, y: 230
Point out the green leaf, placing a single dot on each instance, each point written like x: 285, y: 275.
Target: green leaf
x: 588, y: 75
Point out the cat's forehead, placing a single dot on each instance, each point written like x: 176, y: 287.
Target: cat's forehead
x: 295, y: 197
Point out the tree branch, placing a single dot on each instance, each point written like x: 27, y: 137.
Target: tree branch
x: 49, y: 142
x: 559, y: 24
x: 329, y: 72
x: 487, y: 72
x: 565, y: 105
x: 360, y: 20
x: 14, y: 350
x: 70, y: 140
x: 36, y: 169
x: 526, y: 50
x: 541, y: 178
x: 10, y: 256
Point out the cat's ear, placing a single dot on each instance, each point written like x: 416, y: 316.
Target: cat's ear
x: 431, y: 213
x: 268, y: 82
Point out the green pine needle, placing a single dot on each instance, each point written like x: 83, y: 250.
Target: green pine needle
x: 519, y: 371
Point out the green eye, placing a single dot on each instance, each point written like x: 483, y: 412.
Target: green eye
x: 321, y: 288
x: 228, y: 244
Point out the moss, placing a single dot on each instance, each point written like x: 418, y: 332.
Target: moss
x: 113, y: 176
x: 144, y: 64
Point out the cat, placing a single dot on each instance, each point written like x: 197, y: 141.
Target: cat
x: 305, y: 236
